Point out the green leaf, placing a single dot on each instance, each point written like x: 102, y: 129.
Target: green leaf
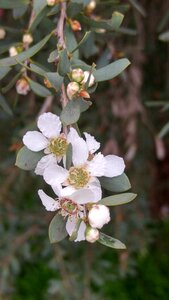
x: 71, y: 42
x: 4, y: 71
x: 39, y: 89
x: 38, y: 18
x: 69, y: 157
x: 57, y: 230
x: 19, y: 11
x: 116, y: 184
x: 112, y: 24
x: 112, y: 70
x: 38, y: 5
x: 111, y: 242
x: 70, y: 113
x: 27, y: 159
x: 138, y: 7
x: 64, y: 63
x: 77, y: 63
x: 83, y: 40
x: 55, y: 79
x: 73, y: 9
x: 8, y: 4
x: 38, y: 70
x: 118, y: 199
x: 11, y: 83
x: 11, y: 61
x: 84, y: 105
x: 53, y: 56
x: 164, y: 37
x: 5, y: 105
x: 164, y: 130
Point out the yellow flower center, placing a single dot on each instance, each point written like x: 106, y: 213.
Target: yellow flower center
x: 69, y: 206
x: 58, y: 146
x: 78, y: 177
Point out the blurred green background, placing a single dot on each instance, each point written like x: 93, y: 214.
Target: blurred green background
x: 129, y: 117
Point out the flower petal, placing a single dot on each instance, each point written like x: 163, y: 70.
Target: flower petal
x: 69, y: 190
x: 92, y: 144
x: 35, y: 141
x: 72, y: 135
x: 45, y: 162
x: 49, y: 124
x: 96, y: 166
x: 82, y: 196
x: 95, y: 187
x: 81, y: 232
x: 114, y: 166
x: 57, y: 189
x: 70, y: 226
x: 49, y: 203
x: 55, y: 175
x: 80, y: 152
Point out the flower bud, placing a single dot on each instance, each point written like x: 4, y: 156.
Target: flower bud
x: 12, y: 51
x: 22, y: 86
x: 47, y: 83
x: 77, y: 75
x: 86, y: 76
x: 27, y: 38
x: 72, y: 89
x: 98, y: 216
x: 50, y: 2
x: 91, y: 234
x: 2, y: 33
x: 75, y: 25
x: 84, y: 94
x: 90, y: 7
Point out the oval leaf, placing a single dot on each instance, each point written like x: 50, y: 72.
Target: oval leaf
x: 39, y: 89
x: 116, y: 184
x: 55, y: 79
x: 5, y: 106
x: 70, y: 113
x: 57, y: 231
x: 27, y: 159
x: 118, y: 199
x: 111, y: 242
x: 111, y: 70
x: 64, y: 63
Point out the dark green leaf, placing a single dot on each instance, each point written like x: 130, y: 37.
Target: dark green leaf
x: 5, y: 105
x: 27, y: 159
x: 112, y: 70
x: 118, y: 199
x: 11, y: 83
x: 38, y: 5
x: 64, y: 63
x: 57, y: 231
x: 11, y: 61
x: 4, y: 71
x: 71, y: 42
x: 39, y: 89
x: 116, y: 184
x: 8, y: 4
x: 38, y: 70
x: 19, y: 11
x: 83, y: 40
x: 73, y: 9
x: 111, y: 242
x: 38, y: 18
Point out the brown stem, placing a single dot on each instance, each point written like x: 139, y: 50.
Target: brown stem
x: 60, y: 26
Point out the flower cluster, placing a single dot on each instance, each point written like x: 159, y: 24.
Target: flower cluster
x: 77, y: 186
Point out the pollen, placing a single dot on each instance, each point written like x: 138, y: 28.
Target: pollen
x: 78, y: 177
x: 58, y: 146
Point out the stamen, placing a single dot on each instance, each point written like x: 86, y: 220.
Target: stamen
x: 58, y: 146
x: 78, y: 177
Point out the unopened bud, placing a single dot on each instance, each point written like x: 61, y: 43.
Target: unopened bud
x: 77, y: 75
x: 86, y: 77
x: 84, y: 94
x: 91, y: 234
x: 98, y: 216
x: 2, y: 33
x: 27, y: 38
x: 13, y: 51
x: 47, y: 83
x: 22, y: 86
x: 90, y: 7
x: 75, y: 25
x: 72, y: 89
x: 50, y: 2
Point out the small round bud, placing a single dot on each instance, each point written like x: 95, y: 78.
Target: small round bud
x: 98, y: 216
x: 86, y: 76
x: 12, y: 51
x: 50, y: 2
x: 22, y: 86
x: 27, y: 38
x: 77, y: 75
x: 91, y: 234
x: 72, y: 89
x: 2, y: 33
x: 90, y: 7
x: 75, y: 25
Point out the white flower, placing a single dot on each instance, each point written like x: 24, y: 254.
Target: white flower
x: 27, y: 38
x: 86, y: 166
x: 86, y: 76
x: 22, y: 86
x: 92, y: 234
x: 70, y: 206
x: 50, y: 139
x: 98, y: 216
x: 13, y: 51
x: 2, y: 33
